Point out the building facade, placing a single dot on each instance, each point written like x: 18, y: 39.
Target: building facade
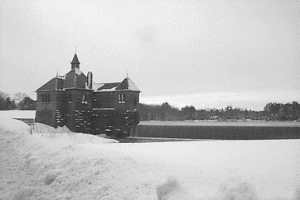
x: 84, y: 106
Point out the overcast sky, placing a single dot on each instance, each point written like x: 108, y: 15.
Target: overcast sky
x: 205, y: 53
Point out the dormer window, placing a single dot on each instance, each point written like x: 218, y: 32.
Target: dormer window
x: 122, y: 98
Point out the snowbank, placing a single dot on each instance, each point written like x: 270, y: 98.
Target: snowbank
x: 43, y: 128
x: 45, y: 165
x: 64, y: 135
x: 13, y: 125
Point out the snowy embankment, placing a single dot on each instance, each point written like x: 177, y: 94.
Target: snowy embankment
x: 48, y: 165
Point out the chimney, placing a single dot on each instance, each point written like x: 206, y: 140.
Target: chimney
x: 89, y: 80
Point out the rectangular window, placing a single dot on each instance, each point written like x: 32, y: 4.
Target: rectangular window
x: 46, y: 98
x: 135, y: 103
x: 84, y: 99
x: 70, y: 98
x: 122, y: 98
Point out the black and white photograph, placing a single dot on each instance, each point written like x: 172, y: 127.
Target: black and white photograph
x: 150, y: 99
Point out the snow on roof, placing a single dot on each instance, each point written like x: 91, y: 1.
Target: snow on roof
x: 96, y: 86
x: 126, y: 84
x: 61, y: 77
x: 70, y: 80
x: 108, y: 86
x: 111, y: 89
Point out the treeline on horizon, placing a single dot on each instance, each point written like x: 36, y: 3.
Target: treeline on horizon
x: 20, y: 101
x: 166, y: 112
x: 271, y: 112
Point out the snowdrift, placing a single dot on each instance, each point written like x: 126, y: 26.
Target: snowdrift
x: 43, y: 128
x: 63, y: 134
x: 13, y: 126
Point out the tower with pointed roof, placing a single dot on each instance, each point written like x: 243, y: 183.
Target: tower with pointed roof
x: 78, y: 106
x: 82, y: 105
x: 75, y: 62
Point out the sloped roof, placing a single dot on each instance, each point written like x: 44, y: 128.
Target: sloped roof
x: 127, y: 84
x: 75, y: 79
x: 108, y: 86
x: 54, y: 84
x: 75, y: 60
x: 96, y: 86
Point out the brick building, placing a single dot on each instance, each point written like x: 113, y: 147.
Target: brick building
x: 82, y: 105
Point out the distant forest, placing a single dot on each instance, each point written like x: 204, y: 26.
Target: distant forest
x: 20, y: 101
x: 166, y: 112
x: 272, y: 112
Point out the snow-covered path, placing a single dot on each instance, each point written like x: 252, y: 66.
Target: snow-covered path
x: 47, y: 165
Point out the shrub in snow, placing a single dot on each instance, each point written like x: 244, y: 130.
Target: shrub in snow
x: 172, y: 190
x: 165, y: 189
x: 51, y: 176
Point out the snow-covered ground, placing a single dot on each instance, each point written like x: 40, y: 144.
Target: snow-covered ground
x: 29, y: 114
x: 58, y: 164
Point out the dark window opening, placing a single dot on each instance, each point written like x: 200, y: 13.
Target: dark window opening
x: 70, y: 98
x: 45, y: 98
x: 122, y: 98
x: 135, y: 102
x: 84, y: 99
